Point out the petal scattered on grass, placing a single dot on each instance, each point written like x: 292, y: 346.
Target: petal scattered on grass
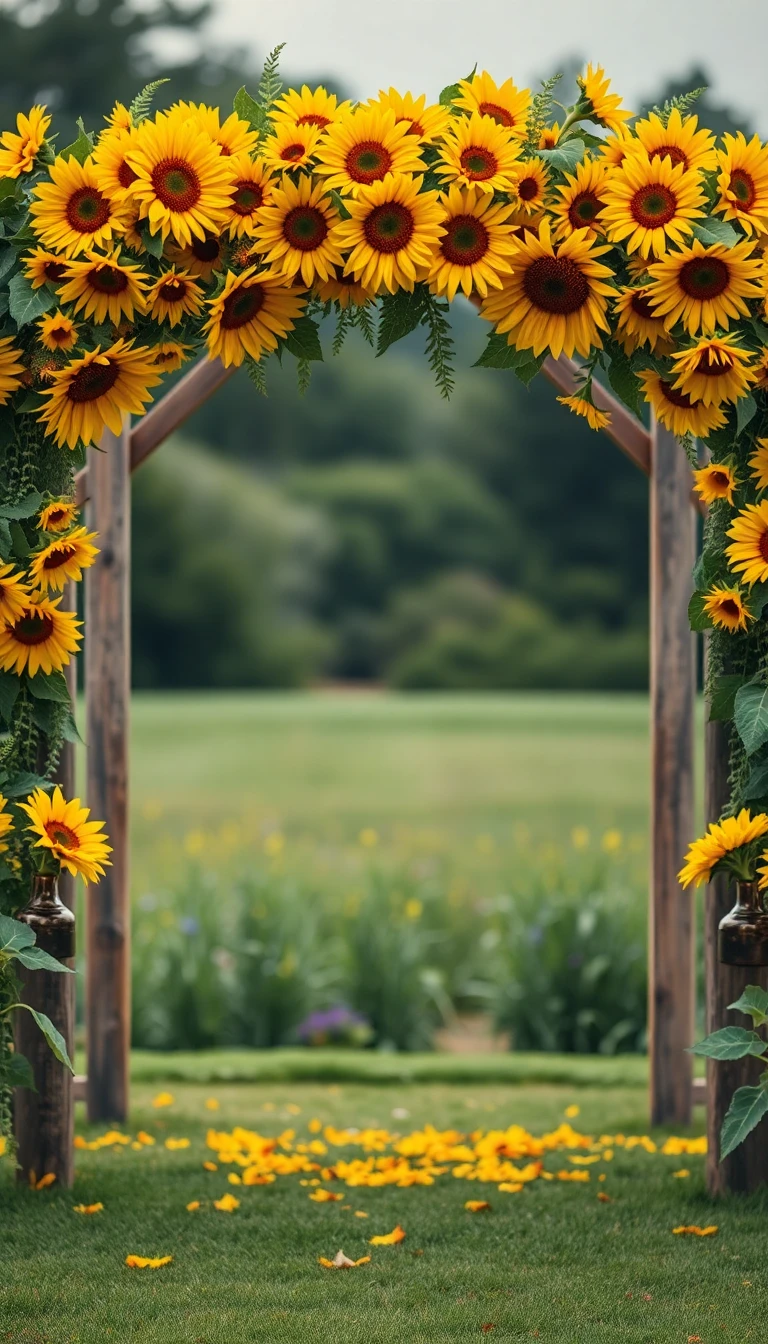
x: 44, y: 1182
x: 573, y: 1175
x: 173, y: 1145
x: 227, y: 1204
x: 211, y: 1104
x: 604, y: 1199
x: 147, y: 1261
x: 359, y: 1213
x: 211, y: 1166
x: 254, y: 1176
x: 193, y: 1205
x: 694, y: 1231
x: 391, y: 1239
x: 572, y: 1111
x: 87, y: 1208
x: 681, y: 1174
x: 163, y: 1099
x: 324, y: 1197
x: 145, y: 1139
x: 511, y: 1187
x: 342, y: 1261
x: 585, y: 1161
x: 477, y: 1206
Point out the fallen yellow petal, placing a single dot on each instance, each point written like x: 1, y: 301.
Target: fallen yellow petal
x: 212, y: 1104
x: 391, y: 1239
x: 147, y: 1262
x: 234, y: 1179
x: 324, y: 1197
x: 144, y: 1138
x: 163, y: 1099
x: 315, y: 1126
x: 211, y: 1166
x: 477, y: 1205
x: 681, y: 1174
x: 572, y: 1111
x: 45, y: 1181
x: 227, y: 1204
x: 87, y: 1208
x: 174, y: 1144
x: 342, y: 1261
x: 359, y: 1213
x: 585, y: 1161
x: 694, y: 1231
x: 193, y: 1205
x: 511, y: 1187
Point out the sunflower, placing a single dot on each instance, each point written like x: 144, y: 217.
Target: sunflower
x: 120, y: 118
x: 761, y: 370
x: 97, y: 390
x: 102, y: 287
x: 722, y: 839
x: 251, y: 188
x: 601, y: 106
x: 726, y: 609
x: 174, y: 295
x: 10, y: 368
x: 530, y: 188
x: 581, y: 199
x: 549, y: 137
x: 505, y: 104
x: 714, y: 370
x: 78, y: 844
x: 182, y: 181
x: 748, y: 552
x: 71, y: 213
x: 584, y: 406
x: 715, y: 481
x: 6, y: 824
x: 649, y: 203
x: 57, y: 515
x: 475, y: 248
x: 636, y: 322
x: 742, y: 183
x: 233, y: 136
x: 249, y: 315
x: 615, y: 148
x: 363, y: 146
x: 679, y: 412
x: 57, y: 332
x: 678, y: 140
x: 202, y: 258
x: 296, y: 232
x: 392, y: 233
x: 132, y: 237
x: 18, y: 152
x: 291, y: 147
x: 706, y: 287
x: 43, y: 268
x: 306, y: 108
x: 759, y: 464
x: 344, y: 290
x: 40, y: 639
x: 428, y: 124
x: 62, y: 560
x: 170, y: 355
x: 116, y: 176
x: 14, y: 593
x: 478, y: 152
x: 556, y: 298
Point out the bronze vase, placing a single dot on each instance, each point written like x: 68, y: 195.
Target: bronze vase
x: 53, y: 923
x: 742, y: 937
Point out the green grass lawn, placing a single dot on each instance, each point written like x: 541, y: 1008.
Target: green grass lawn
x: 551, y: 1263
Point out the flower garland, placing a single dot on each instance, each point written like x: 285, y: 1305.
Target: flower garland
x: 635, y: 244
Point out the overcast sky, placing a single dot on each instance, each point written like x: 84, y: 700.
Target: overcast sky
x: 420, y: 45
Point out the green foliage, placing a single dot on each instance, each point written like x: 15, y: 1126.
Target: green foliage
x: 246, y: 107
x: 80, y: 148
x: 753, y: 1003
x: 399, y: 314
x: 542, y: 111
x: 440, y: 346
x: 25, y: 303
x: 269, y: 84
x: 566, y: 157
x: 141, y: 106
x: 747, y: 1108
x: 751, y: 716
x: 683, y: 102
x: 748, y: 1104
x: 304, y: 340
x: 730, y: 1043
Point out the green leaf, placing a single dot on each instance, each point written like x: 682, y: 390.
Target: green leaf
x: 713, y: 230
x: 81, y: 147
x: 624, y: 382
x: 697, y: 616
x: 757, y: 597
x: 750, y: 714
x: 565, y: 157
x: 25, y: 303
x: 52, y: 1035
x: 747, y: 1108
x: 401, y: 314
x: 6, y: 543
x: 527, y: 371
x: 153, y: 242
x: 246, y: 107
x: 25, y: 508
x: 70, y: 730
x: 10, y: 685
x: 746, y: 409
x: 32, y: 404
x: 304, y: 340
x: 723, y: 696
x: 499, y: 354
x: 21, y: 546
x: 449, y: 94
x: 754, y: 1003
x: 51, y: 687
x: 35, y: 959
x: 14, y: 936
x: 45, y: 716
x: 20, y: 785
x: 730, y: 1043
x: 707, y: 568
x: 142, y: 103
x: 18, y: 1072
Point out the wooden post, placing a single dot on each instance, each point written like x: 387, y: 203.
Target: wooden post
x: 107, y: 679
x: 671, y: 940
x: 747, y: 1168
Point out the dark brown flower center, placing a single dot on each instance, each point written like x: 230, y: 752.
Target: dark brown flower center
x: 641, y: 305
x: 653, y: 206
x: 672, y: 152
x: 389, y: 227
x: 207, y: 249
x: 314, y: 119
x: 528, y: 189
x: 674, y: 396
x: 108, y: 279
x: 704, y: 277
x: 466, y: 240
x: 478, y: 163
x: 242, y: 306
x: 305, y: 228
x: 173, y: 291
x: 87, y: 210
x: 55, y: 270
x: 64, y: 552
x: 368, y: 161
x: 176, y: 184
x: 56, y: 516
x: 584, y: 209
x: 743, y: 187
x: 93, y: 381
x: 730, y: 608
x: 293, y: 153
x: 34, y: 627
x: 500, y: 114
x: 764, y: 546
x: 61, y: 835
x: 125, y: 174
x: 714, y: 363
x: 556, y: 285
x: 247, y: 197
x: 60, y: 335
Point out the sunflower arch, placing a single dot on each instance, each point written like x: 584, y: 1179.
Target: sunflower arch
x: 635, y: 245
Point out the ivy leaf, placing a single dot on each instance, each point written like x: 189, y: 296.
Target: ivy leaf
x: 25, y: 303
x: 754, y: 1003
x: 14, y: 936
x: 448, y: 94
x: 723, y: 697
x: 624, y: 382
x: 713, y: 230
x: 51, y: 687
x: 70, y: 730
x: 21, y: 546
x: 10, y: 685
x: 21, y: 784
x: 750, y: 714
x: 35, y: 959
x: 747, y: 1108
x: 153, y: 242
x: 246, y: 107
x: 706, y: 569
x: 18, y: 1072
x: 81, y: 147
x: 304, y: 341
x: 746, y: 409
x: 527, y: 370
x: 25, y: 508
x: 52, y: 1035
x: 401, y: 314
x: 730, y: 1043
x: 697, y: 616
x: 566, y: 157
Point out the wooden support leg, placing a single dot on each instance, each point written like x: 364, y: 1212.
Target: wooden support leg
x: 107, y: 679
x: 747, y: 1168
x: 671, y: 929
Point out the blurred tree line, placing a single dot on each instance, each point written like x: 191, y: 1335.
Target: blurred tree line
x: 368, y: 530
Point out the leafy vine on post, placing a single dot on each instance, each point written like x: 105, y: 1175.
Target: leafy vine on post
x: 635, y: 244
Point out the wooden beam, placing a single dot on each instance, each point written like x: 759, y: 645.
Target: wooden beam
x: 107, y: 680
x: 747, y: 1168
x: 671, y: 943
x: 624, y: 430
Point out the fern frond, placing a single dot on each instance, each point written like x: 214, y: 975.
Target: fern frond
x: 683, y: 102
x: 303, y: 375
x: 344, y: 320
x: 540, y: 115
x: 440, y: 346
x: 270, y: 83
x: 362, y: 318
x: 258, y: 375
x: 142, y: 103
